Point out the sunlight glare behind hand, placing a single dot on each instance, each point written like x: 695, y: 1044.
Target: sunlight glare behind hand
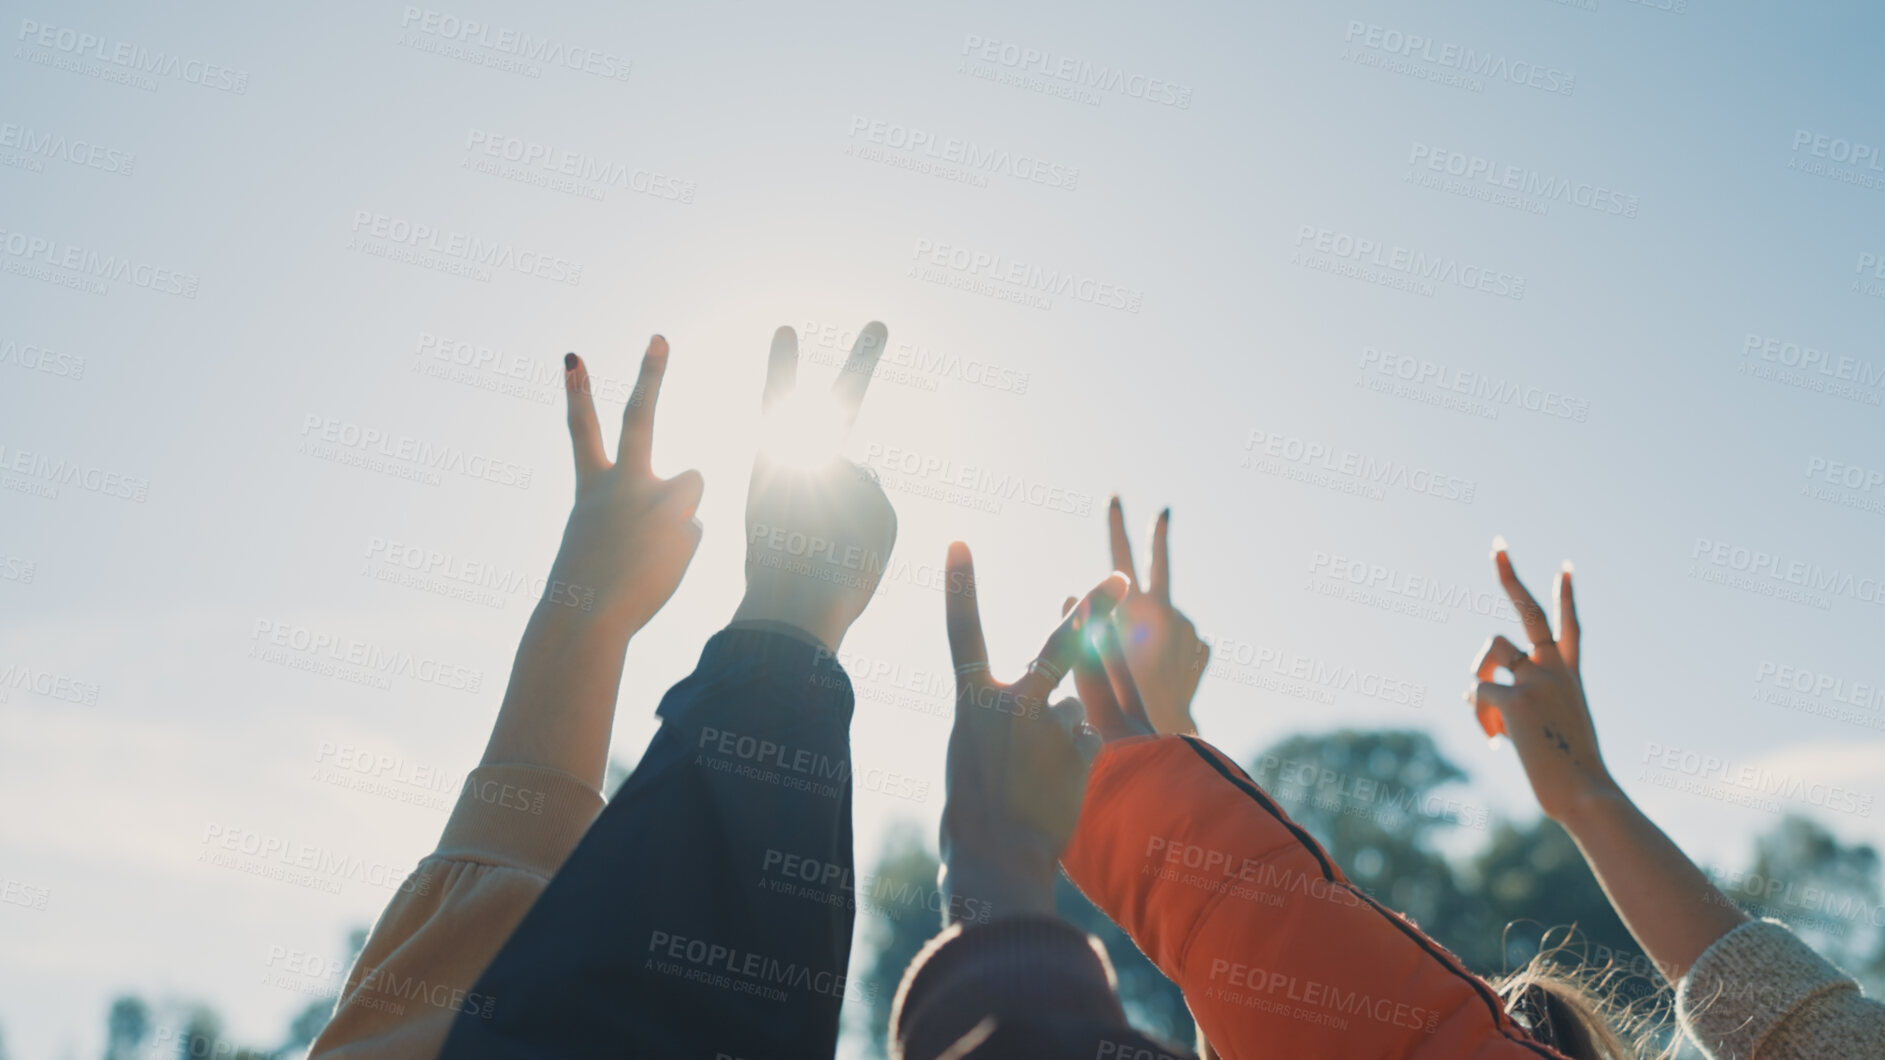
x: 806, y: 430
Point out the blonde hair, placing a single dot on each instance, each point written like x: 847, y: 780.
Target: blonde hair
x: 1575, y: 1008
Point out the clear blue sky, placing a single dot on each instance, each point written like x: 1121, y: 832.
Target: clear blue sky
x: 1226, y: 233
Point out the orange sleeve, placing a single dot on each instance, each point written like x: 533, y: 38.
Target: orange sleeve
x: 513, y: 827
x: 1276, y: 952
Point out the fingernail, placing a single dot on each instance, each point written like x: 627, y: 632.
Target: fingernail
x: 1498, y: 542
x: 1165, y: 516
x: 1568, y: 569
x: 1492, y: 742
x: 1115, y: 501
x: 569, y: 362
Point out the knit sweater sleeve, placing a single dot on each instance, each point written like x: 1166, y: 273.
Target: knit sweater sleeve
x: 1759, y: 993
x: 513, y: 826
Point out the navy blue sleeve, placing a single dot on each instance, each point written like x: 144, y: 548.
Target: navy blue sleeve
x: 682, y: 925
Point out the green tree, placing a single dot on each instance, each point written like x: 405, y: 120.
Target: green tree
x: 1374, y: 800
x: 126, y: 1027
x: 907, y: 864
x: 1826, y: 891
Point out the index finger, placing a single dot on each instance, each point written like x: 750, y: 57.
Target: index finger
x: 638, y: 416
x: 961, y: 614
x: 1063, y: 645
x: 848, y: 389
x: 1530, y: 615
x: 1122, y: 545
x: 1158, y: 580
x: 1119, y: 676
x: 782, y: 368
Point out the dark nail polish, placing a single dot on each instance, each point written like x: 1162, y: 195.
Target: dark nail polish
x: 569, y: 362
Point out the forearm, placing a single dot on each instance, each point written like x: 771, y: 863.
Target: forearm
x: 981, y: 889
x: 559, y: 707
x: 1669, y: 905
x: 724, y: 858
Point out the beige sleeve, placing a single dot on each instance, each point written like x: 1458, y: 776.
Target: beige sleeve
x: 513, y: 827
x: 1759, y: 993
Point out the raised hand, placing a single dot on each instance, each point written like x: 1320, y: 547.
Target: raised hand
x: 629, y: 538
x: 631, y: 533
x: 1017, y: 766
x: 818, y: 528
x: 1161, y: 645
x: 1543, y: 710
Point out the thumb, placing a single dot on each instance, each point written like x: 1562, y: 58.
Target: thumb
x: 681, y: 494
x: 1490, y: 700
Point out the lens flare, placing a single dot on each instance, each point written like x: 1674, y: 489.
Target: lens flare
x: 804, y: 430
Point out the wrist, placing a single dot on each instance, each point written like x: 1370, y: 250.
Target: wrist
x: 772, y: 603
x: 1592, y: 806
x: 567, y: 618
x: 989, y: 888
